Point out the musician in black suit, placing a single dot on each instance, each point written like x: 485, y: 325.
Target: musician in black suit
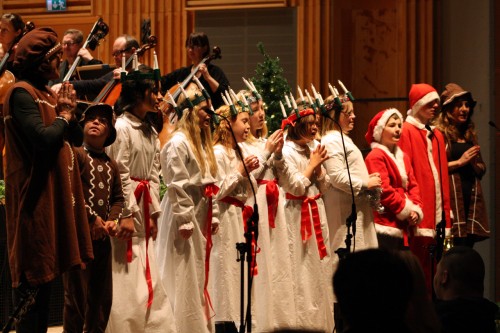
x: 212, y: 77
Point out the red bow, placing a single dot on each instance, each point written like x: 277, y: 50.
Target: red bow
x: 305, y: 221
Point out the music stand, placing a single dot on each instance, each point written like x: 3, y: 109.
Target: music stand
x: 90, y: 72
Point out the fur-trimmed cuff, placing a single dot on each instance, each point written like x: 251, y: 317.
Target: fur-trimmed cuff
x: 406, y: 211
x: 389, y: 231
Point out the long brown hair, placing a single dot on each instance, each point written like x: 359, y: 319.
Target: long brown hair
x: 453, y: 131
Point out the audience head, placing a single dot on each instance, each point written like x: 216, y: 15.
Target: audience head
x: 373, y: 289
x: 459, y: 273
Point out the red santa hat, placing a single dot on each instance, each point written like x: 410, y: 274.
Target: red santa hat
x: 420, y: 95
x: 377, y: 124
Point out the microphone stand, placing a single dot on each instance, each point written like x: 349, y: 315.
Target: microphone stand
x: 252, y: 232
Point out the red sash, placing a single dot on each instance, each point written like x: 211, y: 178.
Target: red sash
x: 305, y: 221
x: 209, y: 191
x: 143, y: 188
x: 272, y: 197
x: 247, y: 212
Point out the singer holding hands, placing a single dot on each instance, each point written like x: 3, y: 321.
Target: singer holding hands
x: 303, y: 178
x: 465, y: 166
x: 426, y: 148
x: 47, y: 228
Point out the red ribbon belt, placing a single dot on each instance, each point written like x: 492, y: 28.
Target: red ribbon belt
x: 272, y: 197
x: 143, y: 188
x: 247, y: 212
x: 209, y: 191
x: 305, y: 221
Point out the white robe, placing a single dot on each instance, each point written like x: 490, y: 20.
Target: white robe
x: 312, y: 276
x: 182, y: 262
x: 225, y: 275
x: 138, y: 157
x: 273, y: 300
x: 338, y: 200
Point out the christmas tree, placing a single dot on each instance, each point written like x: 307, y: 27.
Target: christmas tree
x: 271, y: 84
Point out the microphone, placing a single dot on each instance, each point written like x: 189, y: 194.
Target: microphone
x: 492, y: 124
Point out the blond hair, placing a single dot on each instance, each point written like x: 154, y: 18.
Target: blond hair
x: 261, y: 133
x: 200, y: 140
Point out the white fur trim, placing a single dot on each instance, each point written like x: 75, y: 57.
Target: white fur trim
x: 406, y: 211
x: 424, y: 100
x: 390, y: 231
x: 379, y: 128
x: 397, y: 158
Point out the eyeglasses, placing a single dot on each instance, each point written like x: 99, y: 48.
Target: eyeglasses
x: 68, y: 43
x: 119, y: 52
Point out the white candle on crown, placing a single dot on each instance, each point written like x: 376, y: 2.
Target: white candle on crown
x: 224, y: 99
x: 249, y: 86
x: 183, y: 91
x: 293, y: 102
x: 300, y: 94
x: 229, y: 99
x: 172, y: 99
x: 283, y: 110
x: 334, y: 93
x: 123, y: 63
x: 343, y: 87
x: 287, y: 101
x: 309, y: 97
x: 198, y: 83
x: 314, y: 92
x: 155, y: 61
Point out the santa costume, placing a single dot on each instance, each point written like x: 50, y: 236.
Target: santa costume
x: 400, y: 192
x: 426, y: 149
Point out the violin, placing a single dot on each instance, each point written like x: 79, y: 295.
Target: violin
x: 110, y: 93
x: 98, y: 32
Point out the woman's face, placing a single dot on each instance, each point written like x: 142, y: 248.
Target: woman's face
x: 241, y: 126
x: 7, y: 33
x: 195, y: 53
x: 461, y: 110
x: 346, y: 119
x: 392, y: 132
x: 258, y: 118
x: 203, y: 116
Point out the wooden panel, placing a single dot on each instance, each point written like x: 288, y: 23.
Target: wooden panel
x: 232, y: 4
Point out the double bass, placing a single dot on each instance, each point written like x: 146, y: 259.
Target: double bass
x: 111, y: 91
x: 98, y: 32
